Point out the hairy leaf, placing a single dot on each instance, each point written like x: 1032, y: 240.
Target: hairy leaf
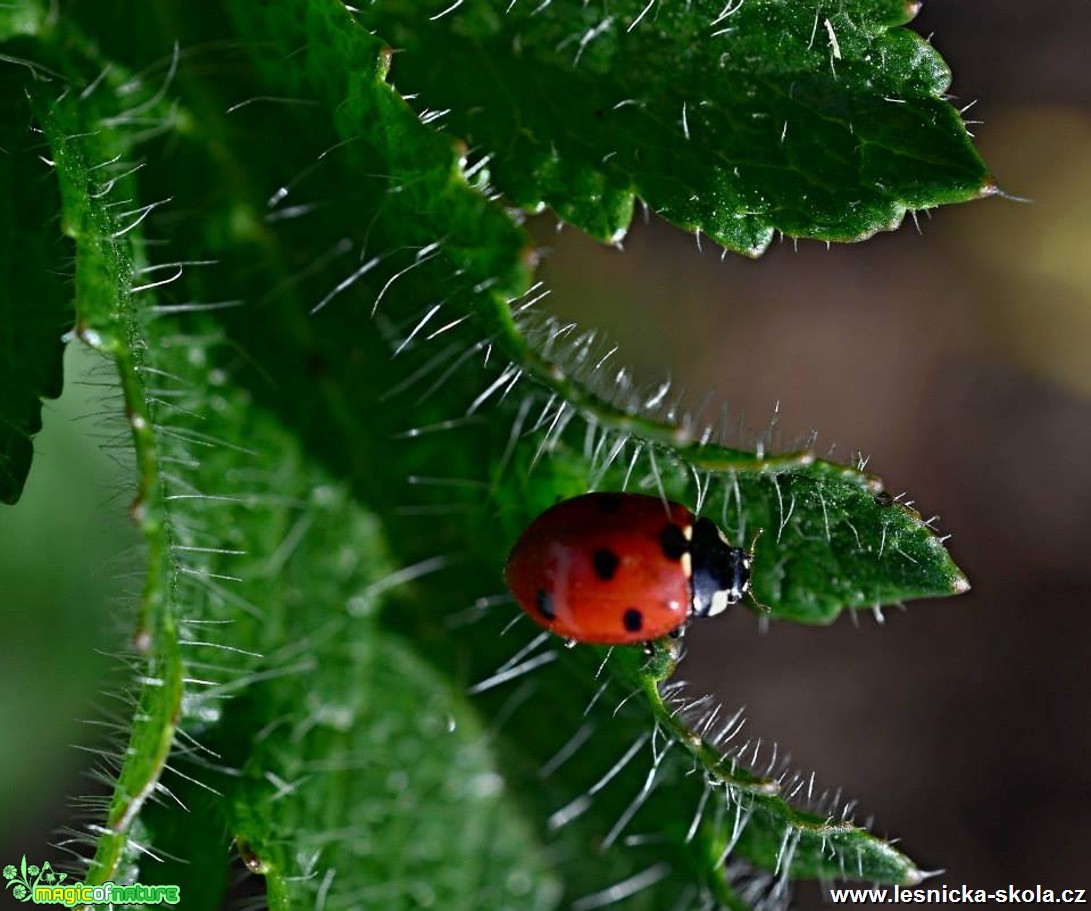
x: 818, y: 118
x: 86, y: 161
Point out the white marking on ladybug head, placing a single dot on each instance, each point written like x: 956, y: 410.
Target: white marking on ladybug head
x: 720, y: 601
x: 687, y: 564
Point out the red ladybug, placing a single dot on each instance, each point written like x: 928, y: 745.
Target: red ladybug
x: 623, y: 568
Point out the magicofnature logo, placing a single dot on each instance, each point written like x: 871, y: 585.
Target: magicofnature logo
x: 45, y: 886
x: 22, y: 879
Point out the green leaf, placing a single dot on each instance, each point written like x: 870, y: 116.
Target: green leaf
x: 819, y: 118
x: 831, y: 537
x: 35, y: 304
x: 391, y: 798
x: 88, y: 165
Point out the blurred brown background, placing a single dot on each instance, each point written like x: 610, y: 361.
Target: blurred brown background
x: 959, y: 358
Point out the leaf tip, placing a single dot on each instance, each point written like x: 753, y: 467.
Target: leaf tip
x: 960, y: 584
x: 915, y: 877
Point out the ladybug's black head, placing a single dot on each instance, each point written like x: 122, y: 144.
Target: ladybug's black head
x: 721, y: 573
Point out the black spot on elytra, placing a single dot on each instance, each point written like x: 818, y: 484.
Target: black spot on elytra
x: 606, y: 563
x: 673, y: 541
x: 544, y: 602
x: 633, y: 620
x: 608, y: 503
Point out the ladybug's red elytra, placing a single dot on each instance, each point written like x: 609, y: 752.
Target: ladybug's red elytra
x: 623, y: 568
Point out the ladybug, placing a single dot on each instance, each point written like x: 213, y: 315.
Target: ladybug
x: 623, y: 568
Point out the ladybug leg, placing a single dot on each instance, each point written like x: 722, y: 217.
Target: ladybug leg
x: 764, y: 608
x: 679, y: 631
